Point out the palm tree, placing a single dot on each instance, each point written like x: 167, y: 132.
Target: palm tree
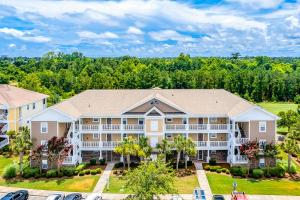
x: 290, y: 146
x: 270, y: 151
x: 20, y: 143
x: 189, y: 150
x: 128, y: 147
x: 179, y: 144
x: 145, y: 148
x: 164, y: 148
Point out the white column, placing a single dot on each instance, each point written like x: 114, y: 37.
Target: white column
x: 208, y: 146
x: 187, y: 126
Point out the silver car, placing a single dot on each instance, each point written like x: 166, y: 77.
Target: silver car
x: 93, y: 196
x: 56, y: 197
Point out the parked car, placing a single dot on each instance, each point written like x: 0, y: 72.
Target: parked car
x: 218, y: 197
x: 73, y: 196
x: 56, y: 197
x: 93, y: 196
x: 176, y: 197
x: 17, y: 195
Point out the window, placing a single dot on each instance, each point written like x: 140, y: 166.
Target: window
x: 44, y: 127
x: 169, y: 120
x: 33, y: 106
x: 141, y: 121
x: 154, y: 125
x: 45, y: 144
x: 153, y: 142
x: 262, y: 144
x: 213, y: 135
x: 27, y: 107
x: 124, y: 121
x: 262, y: 126
x: 124, y: 135
x: 96, y: 119
x: 44, y: 101
x: 168, y: 135
x: 184, y: 121
x: 213, y: 152
x: 213, y: 120
x: 96, y: 136
x: 261, y: 162
x: 44, y: 164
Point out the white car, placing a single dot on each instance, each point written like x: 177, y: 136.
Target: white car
x: 56, y: 197
x: 94, y: 196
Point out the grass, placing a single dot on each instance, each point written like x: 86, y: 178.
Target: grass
x: 222, y: 184
x: 285, y: 158
x: 275, y: 108
x: 75, y: 184
x: 184, y: 185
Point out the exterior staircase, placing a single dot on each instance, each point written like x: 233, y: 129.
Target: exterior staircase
x: 4, y: 140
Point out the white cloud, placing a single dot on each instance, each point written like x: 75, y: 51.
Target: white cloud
x: 170, y: 35
x: 293, y: 21
x: 134, y: 30
x: 24, y: 35
x: 257, y: 4
x: 12, y: 45
x: 93, y: 35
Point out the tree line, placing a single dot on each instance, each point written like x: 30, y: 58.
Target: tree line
x: 64, y: 75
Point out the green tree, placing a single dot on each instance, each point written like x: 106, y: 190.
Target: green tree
x: 164, y: 148
x: 144, y: 148
x: 179, y: 144
x: 189, y: 150
x: 290, y: 146
x: 20, y: 143
x: 270, y: 152
x: 151, y: 179
x: 287, y: 119
x: 128, y: 147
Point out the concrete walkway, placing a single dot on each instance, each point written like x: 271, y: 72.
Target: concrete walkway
x: 104, y: 178
x: 203, y: 180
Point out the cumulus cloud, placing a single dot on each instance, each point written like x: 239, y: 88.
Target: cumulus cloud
x: 93, y: 35
x: 170, y: 35
x: 24, y: 35
x: 12, y: 45
x: 134, y: 30
x: 257, y: 4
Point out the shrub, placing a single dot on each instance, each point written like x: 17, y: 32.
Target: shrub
x: 102, y: 161
x: 238, y: 171
x: 68, y: 171
x: 214, y: 168
x: 60, y: 174
x: 87, y: 171
x: 93, y: 172
x: 30, y: 172
x: 207, y: 167
x: 10, y: 171
x: 219, y: 170
x: 37, y: 176
x: 224, y: 170
x: 297, y: 99
x: 212, y: 161
x: 293, y: 169
x: 257, y: 173
x: 81, y: 173
x: 93, y: 162
x: 189, y: 163
x: 51, y: 173
x: 280, y: 171
x: 227, y: 171
x: 98, y: 170
x: 81, y: 167
x: 118, y: 165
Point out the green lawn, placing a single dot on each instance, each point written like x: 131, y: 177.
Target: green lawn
x: 75, y: 184
x: 79, y: 184
x: 275, y: 108
x: 184, y: 185
x: 222, y: 184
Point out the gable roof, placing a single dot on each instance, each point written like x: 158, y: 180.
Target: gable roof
x: 13, y: 97
x: 206, y: 102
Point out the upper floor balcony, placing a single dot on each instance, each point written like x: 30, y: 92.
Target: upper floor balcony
x: 215, y: 145
x: 111, y: 127
x: 197, y: 127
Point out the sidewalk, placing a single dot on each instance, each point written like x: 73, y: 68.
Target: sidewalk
x: 203, y: 180
x: 104, y: 178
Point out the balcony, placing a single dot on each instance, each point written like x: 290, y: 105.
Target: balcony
x: 175, y: 127
x: 240, y: 141
x: 94, y: 145
x: 211, y: 144
x: 197, y: 127
x: 69, y: 160
x: 240, y: 159
x: 111, y: 127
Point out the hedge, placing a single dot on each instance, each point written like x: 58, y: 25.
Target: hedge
x: 257, y: 173
x: 10, y: 171
x: 51, y: 173
x: 68, y: 171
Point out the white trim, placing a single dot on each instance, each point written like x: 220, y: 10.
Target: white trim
x: 154, y: 109
x: 262, y: 124
x: 44, y: 125
x: 56, y: 110
x: 259, y: 108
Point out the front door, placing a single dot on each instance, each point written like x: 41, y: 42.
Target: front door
x: 200, y: 155
x: 200, y: 137
x: 108, y: 137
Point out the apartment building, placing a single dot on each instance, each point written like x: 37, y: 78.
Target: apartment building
x: 96, y: 121
x: 17, y: 106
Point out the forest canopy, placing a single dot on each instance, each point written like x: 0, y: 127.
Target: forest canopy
x: 64, y: 75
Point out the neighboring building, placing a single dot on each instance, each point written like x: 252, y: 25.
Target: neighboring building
x: 17, y: 106
x: 95, y: 121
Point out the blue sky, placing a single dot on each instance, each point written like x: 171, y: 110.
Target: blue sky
x: 150, y: 28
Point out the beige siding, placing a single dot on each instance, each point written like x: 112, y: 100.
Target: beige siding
x: 175, y: 121
x: 89, y: 121
x: 220, y: 137
x: 269, y: 135
x: 36, y: 134
x: 160, y: 125
x: 13, y: 117
x: 61, y: 129
x: 132, y: 121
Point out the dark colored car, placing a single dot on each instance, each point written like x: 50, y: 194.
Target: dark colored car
x: 73, y: 196
x: 17, y: 195
x: 218, y: 197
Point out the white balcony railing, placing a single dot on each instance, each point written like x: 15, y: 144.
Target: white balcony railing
x: 133, y: 127
x: 68, y: 160
x: 218, y: 143
x: 90, y: 127
x: 198, y: 126
x: 175, y: 127
x: 111, y: 127
x: 201, y: 143
x: 240, y: 141
x: 219, y: 126
x: 110, y: 144
x: 99, y: 144
x: 90, y: 144
x: 240, y: 159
